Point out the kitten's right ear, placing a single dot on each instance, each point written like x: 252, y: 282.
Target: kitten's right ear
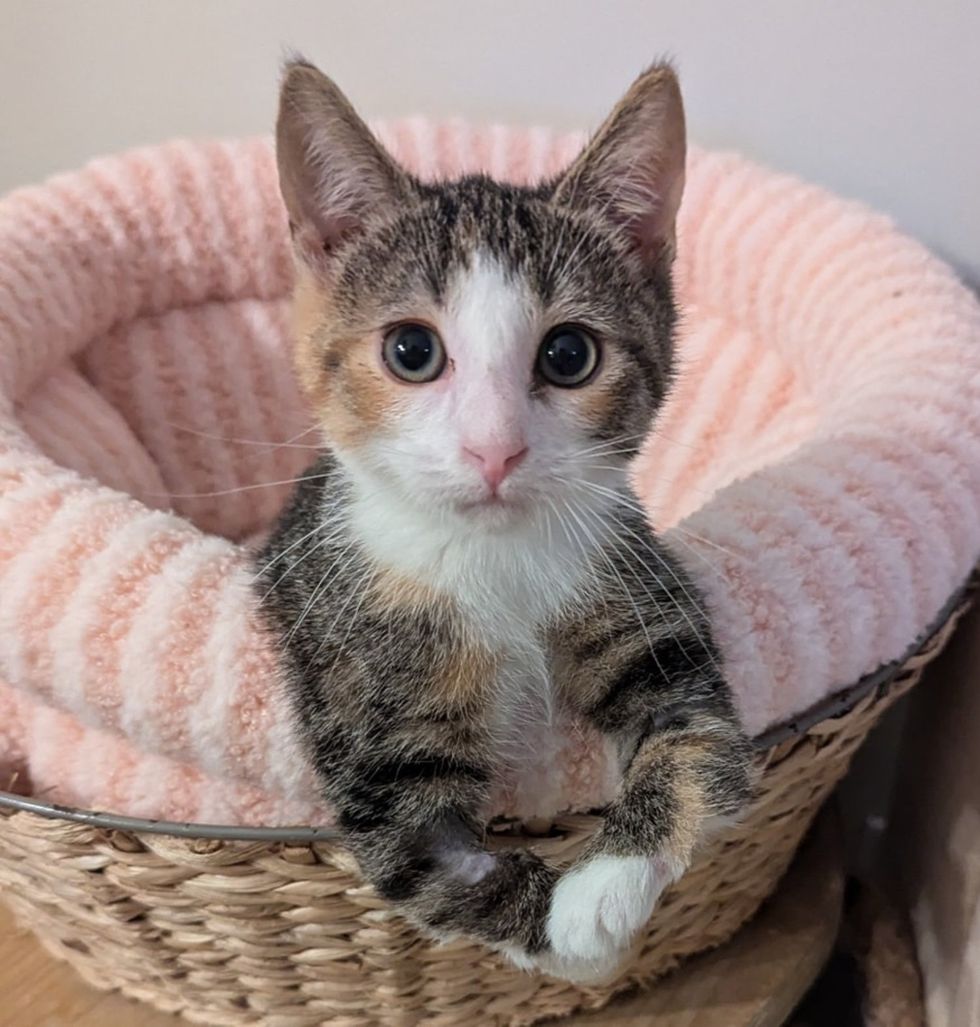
x: 333, y: 173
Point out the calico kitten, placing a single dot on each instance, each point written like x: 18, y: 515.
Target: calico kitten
x: 484, y: 359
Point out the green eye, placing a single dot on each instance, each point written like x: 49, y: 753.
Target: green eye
x: 568, y: 356
x: 414, y: 353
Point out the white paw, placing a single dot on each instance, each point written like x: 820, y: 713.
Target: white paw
x: 597, y: 909
x: 578, y: 971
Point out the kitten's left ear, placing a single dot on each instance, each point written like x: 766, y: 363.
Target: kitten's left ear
x: 333, y: 174
x: 632, y: 170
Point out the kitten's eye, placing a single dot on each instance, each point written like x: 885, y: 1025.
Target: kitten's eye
x: 414, y: 353
x: 568, y: 356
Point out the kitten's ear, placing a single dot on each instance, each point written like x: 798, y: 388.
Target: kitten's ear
x: 632, y: 170
x: 333, y: 173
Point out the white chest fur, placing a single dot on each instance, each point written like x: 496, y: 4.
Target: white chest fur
x: 509, y: 582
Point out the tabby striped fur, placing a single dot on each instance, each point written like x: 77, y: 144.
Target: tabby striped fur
x: 428, y: 647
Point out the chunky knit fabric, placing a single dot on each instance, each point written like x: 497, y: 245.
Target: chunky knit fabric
x: 817, y: 468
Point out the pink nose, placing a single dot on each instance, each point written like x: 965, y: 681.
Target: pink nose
x: 495, y: 462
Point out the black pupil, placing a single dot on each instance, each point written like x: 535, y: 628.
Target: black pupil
x: 567, y: 354
x: 413, y: 348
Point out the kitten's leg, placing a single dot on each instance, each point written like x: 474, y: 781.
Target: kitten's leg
x: 681, y: 779
x: 413, y: 822
x: 643, y: 667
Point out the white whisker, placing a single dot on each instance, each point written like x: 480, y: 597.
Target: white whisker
x: 240, y: 488
x: 706, y: 542
x: 262, y: 443
x: 332, y: 572
x: 360, y: 589
x: 665, y: 564
x: 626, y: 592
x: 285, y: 552
x: 334, y: 536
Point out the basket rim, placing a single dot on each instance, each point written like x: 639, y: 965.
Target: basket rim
x: 835, y: 705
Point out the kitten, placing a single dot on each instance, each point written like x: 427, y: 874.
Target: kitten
x: 484, y: 359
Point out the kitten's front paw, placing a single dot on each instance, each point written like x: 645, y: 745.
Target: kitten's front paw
x: 593, y: 970
x: 597, y: 909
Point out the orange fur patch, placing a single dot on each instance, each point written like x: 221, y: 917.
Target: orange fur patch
x: 691, y: 808
x: 339, y: 372
x: 466, y: 679
x: 465, y: 673
x: 394, y: 592
x: 311, y: 307
x: 595, y: 399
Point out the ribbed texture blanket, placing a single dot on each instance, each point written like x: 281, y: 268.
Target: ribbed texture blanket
x: 817, y: 468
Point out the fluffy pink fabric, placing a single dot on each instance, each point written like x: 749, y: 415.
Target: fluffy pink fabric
x: 818, y: 467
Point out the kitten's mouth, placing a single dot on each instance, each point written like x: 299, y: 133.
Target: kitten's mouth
x: 492, y: 503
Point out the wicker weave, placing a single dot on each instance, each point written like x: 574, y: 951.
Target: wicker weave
x: 285, y: 935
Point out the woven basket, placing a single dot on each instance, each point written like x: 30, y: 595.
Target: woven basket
x: 229, y: 926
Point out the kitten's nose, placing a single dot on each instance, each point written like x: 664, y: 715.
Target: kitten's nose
x: 495, y: 461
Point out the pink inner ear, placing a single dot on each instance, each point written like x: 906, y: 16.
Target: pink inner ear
x: 316, y: 239
x: 654, y: 230
x: 310, y: 245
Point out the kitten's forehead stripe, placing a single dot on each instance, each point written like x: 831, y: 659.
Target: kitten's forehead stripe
x: 489, y: 311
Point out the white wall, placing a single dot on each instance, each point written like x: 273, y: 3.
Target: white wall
x: 878, y: 99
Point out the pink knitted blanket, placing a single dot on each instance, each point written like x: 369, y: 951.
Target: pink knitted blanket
x: 817, y: 470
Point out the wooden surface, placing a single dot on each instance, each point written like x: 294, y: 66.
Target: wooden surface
x: 754, y: 981
x: 37, y: 990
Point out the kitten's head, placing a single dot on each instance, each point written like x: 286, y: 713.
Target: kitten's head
x: 478, y: 349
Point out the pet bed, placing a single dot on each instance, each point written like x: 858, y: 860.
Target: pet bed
x: 817, y: 470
